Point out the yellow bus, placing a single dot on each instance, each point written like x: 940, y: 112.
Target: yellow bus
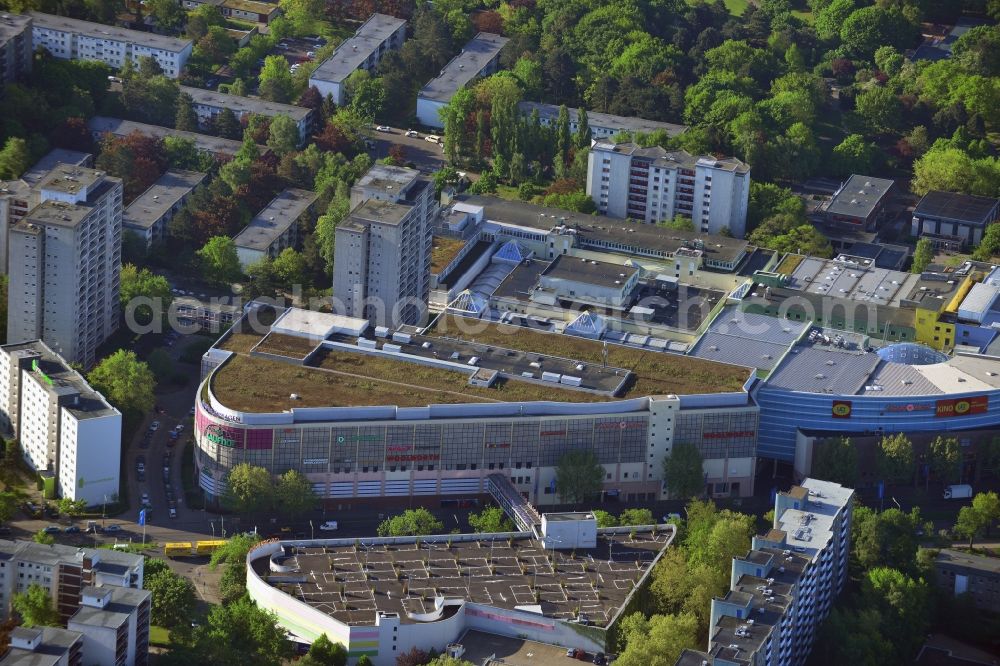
x: 208, y: 547
x: 178, y: 549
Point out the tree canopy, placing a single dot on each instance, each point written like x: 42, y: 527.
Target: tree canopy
x: 125, y: 381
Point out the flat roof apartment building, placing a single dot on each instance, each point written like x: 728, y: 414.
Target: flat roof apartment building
x: 480, y: 57
x: 65, y: 260
x: 65, y: 571
x: 19, y: 196
x: 274, y: 228
x: 217, y: 146
x: 73, y: 39
x: 383, y: 248
x: 68, y: 431
x: 784, y: 587
x: 15, y: 47
x: 114, y: 623
x: 250, y: 10
x: 626, y: 180
x: 208, y: 104
x: 43, y: 646
x: 148, y: 216
x: 602, y: 125
x: 363, y: 50
x: 961, y: 572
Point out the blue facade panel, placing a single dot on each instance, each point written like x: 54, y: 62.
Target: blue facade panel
x: 782, y: 413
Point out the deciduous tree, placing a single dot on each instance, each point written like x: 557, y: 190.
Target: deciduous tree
x: 125, y: 381
x: 579, y: 476
x: 35, y: 607
x: 249, y: 489
x: 836, y: 460
x: 895, y: 458
x: 219, y: 260
x: 490, y: 519
x: 682, y: 471
x: 294, y: 494
x: 412, y: 522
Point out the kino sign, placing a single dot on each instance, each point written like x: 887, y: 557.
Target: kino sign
x: 217, y: 435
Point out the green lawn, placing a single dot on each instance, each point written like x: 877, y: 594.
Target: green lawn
x: 737, y: 7
x: 159, y: 636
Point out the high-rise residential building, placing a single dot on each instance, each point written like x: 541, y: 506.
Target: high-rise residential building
x: 64, y: 571
x: 784, y: 587
x: 19, y: 196
x: 43, y: 646
x: 15, y: 47
x: 626, y: 180
x: 68, y: 432
x: 72, y: 39
x: 114, y: 622
x: 383, y: 249
x: 65, y: 260
x: 363, y: 50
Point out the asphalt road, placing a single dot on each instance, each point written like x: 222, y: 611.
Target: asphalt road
x: 426, y: 156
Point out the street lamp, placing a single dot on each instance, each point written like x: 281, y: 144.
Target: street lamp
x: 312, y: 528
x: 104, y: 511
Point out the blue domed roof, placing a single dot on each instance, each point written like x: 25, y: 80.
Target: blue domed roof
x: 911, y: 353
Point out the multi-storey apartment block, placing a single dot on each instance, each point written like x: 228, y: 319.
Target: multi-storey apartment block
x: 50, y: 646
x: 68, y: 431
x: 73, y: 39
x: 208, y: 104
x: 783, y: 589
x: 653, y: 184
x: 65, y: 260
x: 274, y: 228
x: 480, y: 57
x: 114, y: 622
x: 602, y: 125
x: 382, y: 255
x: 100, y: 126
x: 362, y: 51
x: 65, y: 571
x: 149, y: 214
x: 15, y: 47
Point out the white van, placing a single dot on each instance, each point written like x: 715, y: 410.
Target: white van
x: 433, y: 138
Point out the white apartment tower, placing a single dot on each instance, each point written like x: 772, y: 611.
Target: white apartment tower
x: 65, y: 261
x: 68, y: 432
x: 784, y: 587
x: 383, y: 249
x: 653, y: 185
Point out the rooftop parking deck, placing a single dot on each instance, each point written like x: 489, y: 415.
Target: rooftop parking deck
x: 656, y: 373
x: 352, y: 582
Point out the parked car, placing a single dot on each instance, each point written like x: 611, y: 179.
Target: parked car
x: 179, y: 428
x: 413, y: 134
x: 433, y: 138
x: 383, y: 128
x: 52, y: 529
x: 191, y: 412
x: 328, y: 526
x: 72, y: 529
x: 576, y: 653
x: 172, y: 512
x: 155, y: 425
x: 600, y: 659
x: 140, y: 467
x: 113, y: 528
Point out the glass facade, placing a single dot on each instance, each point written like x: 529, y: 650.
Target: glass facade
x: 519, y: 443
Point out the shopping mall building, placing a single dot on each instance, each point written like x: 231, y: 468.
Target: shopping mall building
x: 370, y: 415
